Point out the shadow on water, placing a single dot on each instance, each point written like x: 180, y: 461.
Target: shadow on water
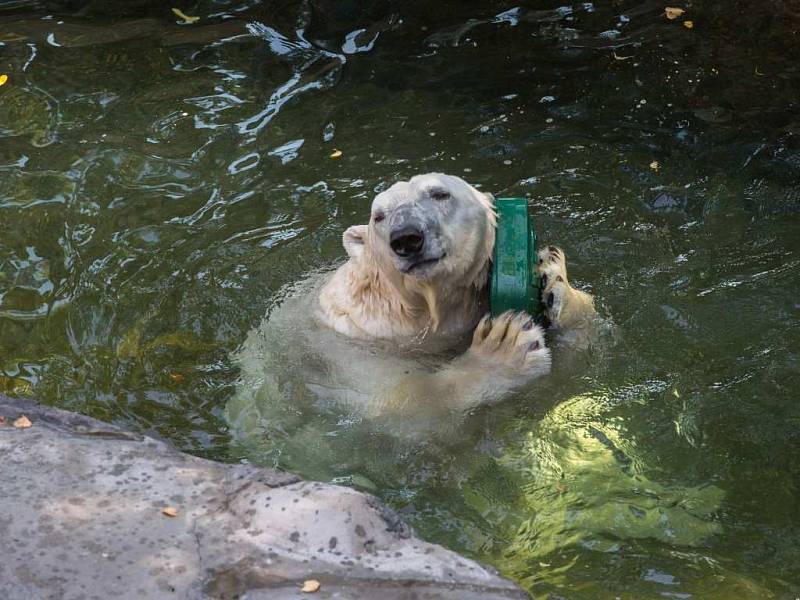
x: 162, y: 182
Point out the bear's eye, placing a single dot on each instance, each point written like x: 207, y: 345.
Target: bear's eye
x: 378, y: 217
x: 439, y: 195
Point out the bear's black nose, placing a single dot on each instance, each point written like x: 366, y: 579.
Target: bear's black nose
x: 406, y: 241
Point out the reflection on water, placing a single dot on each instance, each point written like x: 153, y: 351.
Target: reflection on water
x: 571, y: 455
x: 161, y: 184
x: 588, y: 485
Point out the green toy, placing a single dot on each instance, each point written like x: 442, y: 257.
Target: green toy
x: 515, y: 284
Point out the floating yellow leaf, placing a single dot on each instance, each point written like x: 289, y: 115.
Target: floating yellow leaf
x: 336, y: 154
x: 311, y: 586
x: 170, y: 511
x: 688, y: 24
x: 186, y: 18
x: 655, y: 166
x: 23, y: 422
x: 672, y: 13
x: 3, y: 79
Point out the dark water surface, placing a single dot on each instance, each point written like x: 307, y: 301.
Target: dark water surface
x: 160, y: 183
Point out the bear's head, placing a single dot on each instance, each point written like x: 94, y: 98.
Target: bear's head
x: 434, y: 230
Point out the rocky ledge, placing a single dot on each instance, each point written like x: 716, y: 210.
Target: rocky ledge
x: 89, y: 510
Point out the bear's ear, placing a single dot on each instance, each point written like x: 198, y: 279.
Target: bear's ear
x: 353, y: 240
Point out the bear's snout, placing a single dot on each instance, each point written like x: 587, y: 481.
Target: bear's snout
x: 407, y: 240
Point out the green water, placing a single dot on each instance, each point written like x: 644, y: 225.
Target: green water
x: 160, y: 185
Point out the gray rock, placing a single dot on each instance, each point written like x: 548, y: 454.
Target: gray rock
x: 81, y: 518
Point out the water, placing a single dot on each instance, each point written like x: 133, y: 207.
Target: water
x: 161, y: 184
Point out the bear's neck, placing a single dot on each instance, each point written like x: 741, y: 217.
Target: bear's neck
x: 452, y: 309
x: 380, y: 305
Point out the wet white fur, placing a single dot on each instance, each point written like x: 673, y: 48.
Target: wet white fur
x: 381, y: 342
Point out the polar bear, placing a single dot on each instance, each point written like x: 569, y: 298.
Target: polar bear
x: 401, y: 328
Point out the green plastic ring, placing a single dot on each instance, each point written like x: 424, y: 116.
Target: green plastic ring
x: 514, y: 283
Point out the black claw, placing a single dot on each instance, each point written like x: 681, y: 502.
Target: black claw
x: 534, y: 346
x: 550, y: 299
x: 544, y: 281
x: 528, y: 325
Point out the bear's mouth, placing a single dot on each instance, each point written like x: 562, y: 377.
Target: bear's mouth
x: 425, y: 262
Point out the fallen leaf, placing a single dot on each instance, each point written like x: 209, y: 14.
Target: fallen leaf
x: 672, y: 13
x: 23, y: 422
x: 2, y: 420
x: 176, y: 377
x: 186, y: 18
x: 169, y: 511
x: 336, y: 154
x: 3, y: 79
x: 655, y: 166
x: 311, y: 586
x: 688, y: 24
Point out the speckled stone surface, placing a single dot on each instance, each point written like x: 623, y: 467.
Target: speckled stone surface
x: 80, y: 518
